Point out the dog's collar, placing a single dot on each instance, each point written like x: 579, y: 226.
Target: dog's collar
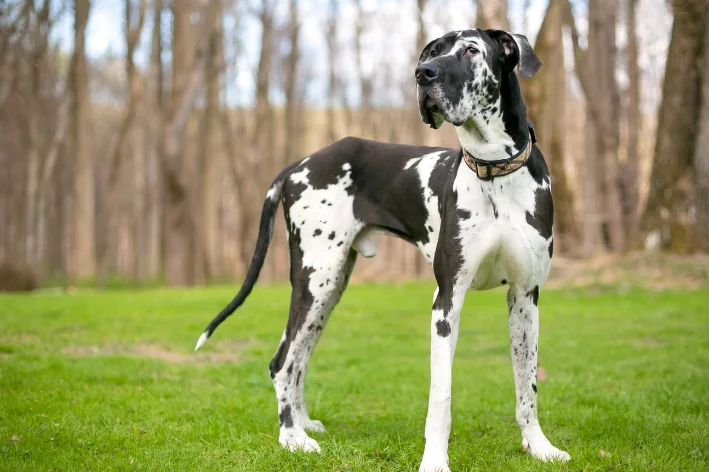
x: 488, y: 170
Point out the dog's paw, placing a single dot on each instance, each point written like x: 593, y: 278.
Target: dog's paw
x: 546, y: 452
x: 298, y: 441
x: 434, y: 468
x: 313, y: 426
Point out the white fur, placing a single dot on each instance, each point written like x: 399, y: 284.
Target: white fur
x: 424, y: 167
x: 274, y: 191
x: 200, y: 342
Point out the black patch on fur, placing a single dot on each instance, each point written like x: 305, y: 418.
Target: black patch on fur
x: 543, y: 218
x: 389, y: 197
x: 494, y: 207
x: 534, y: 294
x: 443, y: 328
x: 537, y: 166
x: 317, y: 232
x: 447, y: 260
x: 284, y: 417
x: 551, y: 248
x: 331, y: 236
x: 534, y: 387
x: 463, y: 214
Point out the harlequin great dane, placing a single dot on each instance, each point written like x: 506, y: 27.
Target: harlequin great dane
x: 481, y: 215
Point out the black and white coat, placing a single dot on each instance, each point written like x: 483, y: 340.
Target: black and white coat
x: 476, y: 234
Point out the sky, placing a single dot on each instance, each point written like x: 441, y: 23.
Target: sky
x: 388, y: 41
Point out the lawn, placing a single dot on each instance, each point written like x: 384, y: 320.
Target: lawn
x: 108, y: 381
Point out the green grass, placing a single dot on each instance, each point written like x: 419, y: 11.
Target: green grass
x: 106, y: 381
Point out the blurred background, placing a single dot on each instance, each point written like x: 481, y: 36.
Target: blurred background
x: 138, y: 137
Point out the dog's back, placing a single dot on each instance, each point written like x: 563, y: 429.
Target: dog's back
x: 392, y: 185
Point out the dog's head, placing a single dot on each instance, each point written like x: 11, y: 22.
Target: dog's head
x: 462, y: 72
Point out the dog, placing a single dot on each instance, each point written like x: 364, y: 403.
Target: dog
x: 481, y: 215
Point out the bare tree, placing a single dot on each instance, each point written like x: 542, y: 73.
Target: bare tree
x: 83, y: 248
x: 700, y: 233
x: 332, y: 52
x: 40, y: 33
x: 365, y: 82
x: 189, y: 56
x: 595, y: 68
x: 668, y: 206
x: 631, y: 167
x: 208, y: 226
x: 261, y: 142
x: 148, y: 264
x: 546, y: 102
x: 292, y: 88
x: 133, y: 26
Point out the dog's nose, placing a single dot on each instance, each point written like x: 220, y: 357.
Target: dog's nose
x: 426, y: 73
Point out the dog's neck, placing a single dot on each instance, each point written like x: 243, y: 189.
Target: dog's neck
x: 499, y: 130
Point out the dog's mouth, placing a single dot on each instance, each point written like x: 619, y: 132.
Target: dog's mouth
x: 430, y: 110
x: 431, y: 105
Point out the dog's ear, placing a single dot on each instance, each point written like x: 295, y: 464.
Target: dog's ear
x: 515, y: 50
x: 426, y: 50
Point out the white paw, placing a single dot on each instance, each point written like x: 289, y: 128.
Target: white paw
x: 298, y: 441
x: 313, y: 426
x: 434, y: 468
x: 546, y: 452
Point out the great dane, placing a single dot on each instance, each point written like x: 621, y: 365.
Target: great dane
x: 481, y: 215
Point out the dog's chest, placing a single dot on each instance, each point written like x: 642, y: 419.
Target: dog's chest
x: 500, y: 226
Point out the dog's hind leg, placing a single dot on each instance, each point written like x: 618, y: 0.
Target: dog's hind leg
x: 524, y: 342
x: 309, y: 424
x: 315, y: 294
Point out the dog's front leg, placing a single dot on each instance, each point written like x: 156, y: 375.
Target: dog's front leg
x: 524, y: 342
x: 444, y: 335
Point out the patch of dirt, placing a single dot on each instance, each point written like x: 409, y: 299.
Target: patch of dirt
x: 222, y: 352
x: 656, y: 271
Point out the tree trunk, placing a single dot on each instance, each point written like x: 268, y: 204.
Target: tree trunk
x: 132, y: 30
x: 292, y: 89
x: 178, y: 251
x: 667, y: 212
x: 631, y: 168
x: 700, y: 233
x: 492, y: 14
x: 260, y: 154
x: 596, y: 71
x: 84, y: 243
x: 149, y: 262
x: 365, y: 83
x: 332, y: 51
x: 208, y: 229
x: 546, y: 103
x: 34, y: 118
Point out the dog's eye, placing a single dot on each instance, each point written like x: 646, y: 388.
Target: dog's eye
x: 432, y: 53
x: 471, y: 51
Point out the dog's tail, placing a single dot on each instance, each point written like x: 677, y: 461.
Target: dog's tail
x: 265, y: 232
